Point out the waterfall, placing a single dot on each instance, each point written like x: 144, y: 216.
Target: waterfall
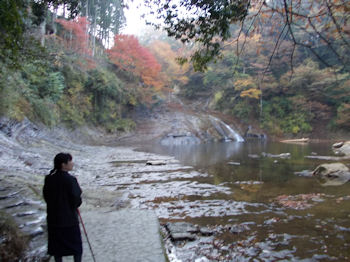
x: 233, y: 133
x: 221, y: 126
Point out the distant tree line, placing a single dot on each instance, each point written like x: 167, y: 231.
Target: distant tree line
x: 282, y: 64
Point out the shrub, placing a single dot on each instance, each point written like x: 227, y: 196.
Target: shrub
x: 242, y: 110
x: 45, y: 111
x: 124, y: 125
x: 343, y: 116
x: 286, y: 115
x: 13, y: 242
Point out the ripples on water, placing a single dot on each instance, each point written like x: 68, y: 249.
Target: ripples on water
x: 284, y: 216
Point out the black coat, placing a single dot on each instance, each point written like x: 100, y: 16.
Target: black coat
x: 62, y: 194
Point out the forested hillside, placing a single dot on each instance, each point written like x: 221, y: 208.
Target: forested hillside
x: 66, y: 62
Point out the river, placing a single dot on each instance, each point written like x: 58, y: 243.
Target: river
x: 263, y: 210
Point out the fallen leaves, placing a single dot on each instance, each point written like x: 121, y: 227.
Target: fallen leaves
x: 301, y: 201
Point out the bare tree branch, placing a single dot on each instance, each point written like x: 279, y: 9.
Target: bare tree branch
x: 336, y: 24
x: 326, y: 41
x: 245, y: 35
x: 274, y: 50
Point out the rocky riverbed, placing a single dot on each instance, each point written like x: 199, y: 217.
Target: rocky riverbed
x: 112, y: 179
x: 233, y: 213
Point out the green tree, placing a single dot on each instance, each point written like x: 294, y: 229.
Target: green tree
x: 107, y: 95
x: 106, y: 18
x: 14, y: 22
x: 12, y: 15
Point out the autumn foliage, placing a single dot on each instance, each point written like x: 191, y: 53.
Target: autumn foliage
x: 172, y: 72
x: 129, y: 55
x: 76, y: 36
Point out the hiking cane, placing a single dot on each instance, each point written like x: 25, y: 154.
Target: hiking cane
x: 87, y: 238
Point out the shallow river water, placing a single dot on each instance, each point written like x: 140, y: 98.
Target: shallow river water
x: 260, y: 207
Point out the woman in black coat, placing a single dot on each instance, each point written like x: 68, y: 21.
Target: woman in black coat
x: 62, y: 194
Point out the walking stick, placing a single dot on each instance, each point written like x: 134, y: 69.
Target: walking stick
x: 87, y: 238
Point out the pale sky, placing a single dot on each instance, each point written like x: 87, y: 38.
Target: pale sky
x: 135, y: 25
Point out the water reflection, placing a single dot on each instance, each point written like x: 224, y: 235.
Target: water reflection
x: 200, y: 155
x: 288, y: 212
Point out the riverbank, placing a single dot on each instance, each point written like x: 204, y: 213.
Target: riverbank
x: 118, y: 230
x: 239, y: 202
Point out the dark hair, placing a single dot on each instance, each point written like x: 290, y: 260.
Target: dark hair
x: 59, y: 160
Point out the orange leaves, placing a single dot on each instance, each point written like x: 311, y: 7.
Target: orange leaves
x: 171, y: 68
x: 129, y: 55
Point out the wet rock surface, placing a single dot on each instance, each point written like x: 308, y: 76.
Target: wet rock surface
x: 111, y: 178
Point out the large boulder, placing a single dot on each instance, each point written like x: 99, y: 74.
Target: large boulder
x: 333, y: 174
x: 342, y: 148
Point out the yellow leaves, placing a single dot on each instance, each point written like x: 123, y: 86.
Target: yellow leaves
x: 244, y: 83
x: 241, y: 83
x: 132, y: 100
x: 248, y: 87
x: 218, y: 96
x: 251, y: 93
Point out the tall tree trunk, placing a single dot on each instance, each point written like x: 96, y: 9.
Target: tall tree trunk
x: 53, y: 22
x: 64, y: 10
x: 42, y: 28
x: 93, y: 37
x: 87, y: 8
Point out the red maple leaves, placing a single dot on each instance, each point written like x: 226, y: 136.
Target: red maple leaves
x: 129, y: 55
x: 76, y: 34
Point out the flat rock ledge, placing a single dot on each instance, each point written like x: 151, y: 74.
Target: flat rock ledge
x: 125, y: 235
x: 183, y: 231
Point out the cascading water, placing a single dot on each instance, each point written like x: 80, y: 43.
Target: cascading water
x: 221, y: 126
x: 236, y: 136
